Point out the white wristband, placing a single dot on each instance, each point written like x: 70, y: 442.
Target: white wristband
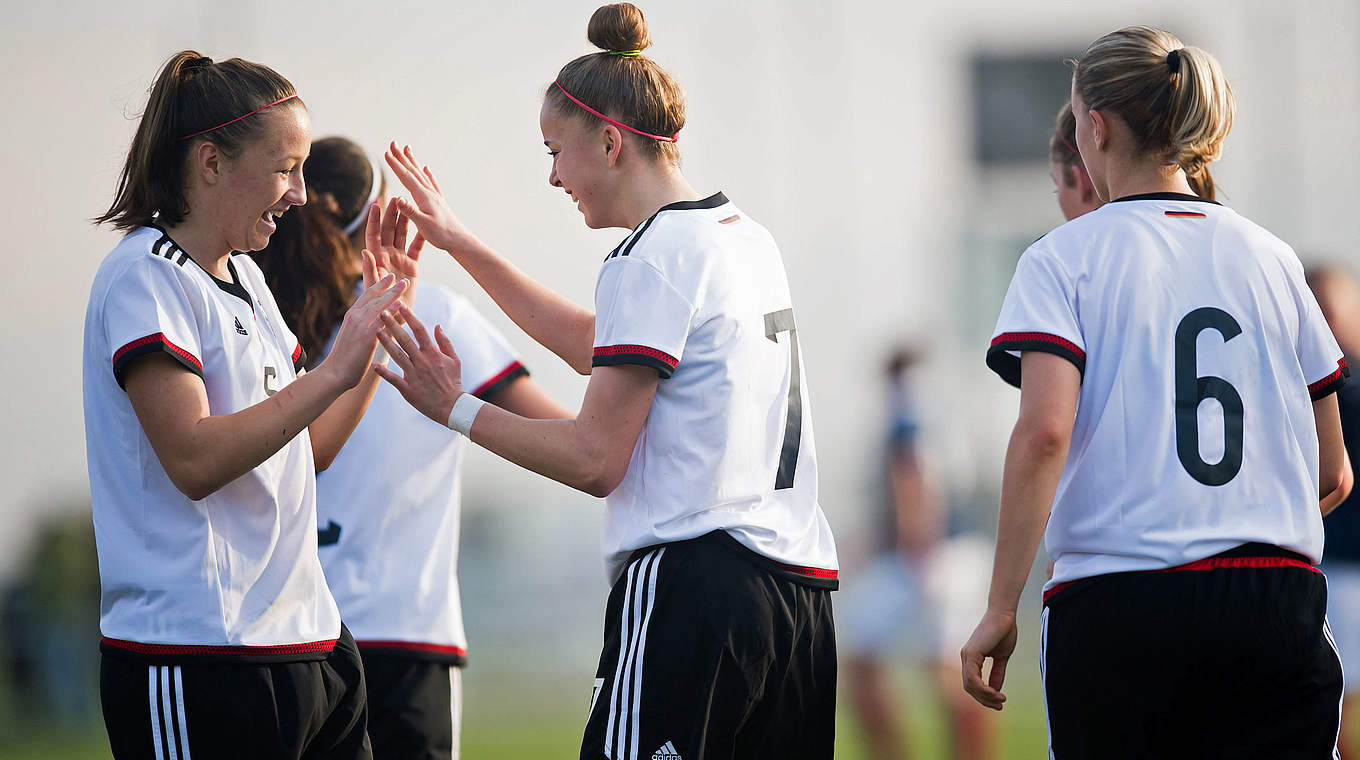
x: 464, y: 412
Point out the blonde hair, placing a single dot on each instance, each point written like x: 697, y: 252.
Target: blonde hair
x: 1174, y: 98
x: 621, y: 83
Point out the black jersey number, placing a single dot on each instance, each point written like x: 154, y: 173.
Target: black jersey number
x: 777, y: 322
x: 1191, y: 390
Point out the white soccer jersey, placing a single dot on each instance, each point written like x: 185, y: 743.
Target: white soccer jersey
x: 388, y: 506
x: 698, y: 292
x: 233, y: 575
x: 1199, y: 345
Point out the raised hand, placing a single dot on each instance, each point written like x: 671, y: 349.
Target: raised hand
x: 427, y: 206
x: 385, y: 236
x: 356, y: 338
x: 432, y: 375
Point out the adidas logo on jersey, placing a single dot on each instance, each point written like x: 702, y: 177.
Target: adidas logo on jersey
x: 667, y: 752
x: 239, y: 328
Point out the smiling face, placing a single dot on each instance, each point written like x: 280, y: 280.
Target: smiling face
x: 580, y: 165
x: 265, y: 180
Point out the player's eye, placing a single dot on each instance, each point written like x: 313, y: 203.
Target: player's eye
x: 554, y: 153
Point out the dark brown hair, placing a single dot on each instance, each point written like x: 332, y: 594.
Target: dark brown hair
x: 309, y: 263
x: 1174, y: 98
x: 630, y: 88
x: 190, y: 94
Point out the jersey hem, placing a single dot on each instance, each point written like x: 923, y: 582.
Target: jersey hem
x: 804, y: 575
x: 211, y: 653
x: 501, y: 381
x: 150, y: 344
x: 1331, y: 383
x: 646, y: 356
x: 1249, y: 556
x: 415, y: 650
x: 1003, y: 363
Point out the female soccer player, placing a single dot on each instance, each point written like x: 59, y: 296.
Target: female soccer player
x: 388, y: 506
x: 1071, y: 183
x: 203, y: 433
x: 1178, y: 415
x: 695, y: 425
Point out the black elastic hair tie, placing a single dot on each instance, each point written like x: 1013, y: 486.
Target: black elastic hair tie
x: 1173, y: 60
x: 202, y: 61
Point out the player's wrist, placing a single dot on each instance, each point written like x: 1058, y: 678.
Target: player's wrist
x: 464, y: 413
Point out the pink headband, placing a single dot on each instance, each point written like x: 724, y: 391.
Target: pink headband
x: 238, y: 118
x: 619, y: 124
x: 1069, y: 145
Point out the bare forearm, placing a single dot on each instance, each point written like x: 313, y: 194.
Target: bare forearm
x: 333, y: 427
x: 1034, y: 462
x: 555, y: 448
x: 222, y: 448
x: 556, y: 323
x: 1333, y: 499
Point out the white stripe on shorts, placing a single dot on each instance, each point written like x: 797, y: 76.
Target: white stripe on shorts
x: 179, y: 706
x: 621, y: 736
x: 152, y: 690
x: 1043, y: 675
x: 1327, y: 632
x: 165, y: 711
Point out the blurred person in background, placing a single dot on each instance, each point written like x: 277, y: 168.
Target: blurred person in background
x: 204, y: 434
x: 1071, y: 183
x: 919, y: 595
x: 388, y: 507
x: 1171, y: 521
x: 696, y: 425
x: 1338, y: 293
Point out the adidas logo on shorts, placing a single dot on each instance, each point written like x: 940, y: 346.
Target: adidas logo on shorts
x: 667, y: 752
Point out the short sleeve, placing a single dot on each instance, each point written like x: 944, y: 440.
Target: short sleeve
x: 1324, y: 366
x: 640, y: 317
x: 1038, y: 314
x: 489, y: 363
x: 148, y: 309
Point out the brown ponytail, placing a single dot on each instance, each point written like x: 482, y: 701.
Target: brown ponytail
x: 1174, y: 98
x: 310, y: 264
x: 631, y: 88
x: 190, y: 94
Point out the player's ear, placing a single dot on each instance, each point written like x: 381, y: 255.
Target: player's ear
x: 1100, y: 128
x: 207, y: 162
x: 613, y: 144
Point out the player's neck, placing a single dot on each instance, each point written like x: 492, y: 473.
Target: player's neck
x: 661, y: 187
x: 204, y: 245
x: 1143, y: 177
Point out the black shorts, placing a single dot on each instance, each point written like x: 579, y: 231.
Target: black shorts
x: 1228, y: 657
x: 414, y: 706
x: 205, y: 711
x: 711, y: 650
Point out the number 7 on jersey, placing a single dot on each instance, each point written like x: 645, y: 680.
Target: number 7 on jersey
x: 777, y: 322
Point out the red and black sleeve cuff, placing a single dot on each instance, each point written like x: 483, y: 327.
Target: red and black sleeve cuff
x: 151, y: 344
x: 1007, y: 365
x: 613, y: 356
x: 299, y: 358
x: 1331, y: 383
x: 500, y: 381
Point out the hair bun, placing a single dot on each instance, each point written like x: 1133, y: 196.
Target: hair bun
x: 618, y: 27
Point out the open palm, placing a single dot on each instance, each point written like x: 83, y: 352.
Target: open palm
x: 385, y: 238
x: 427, y: 206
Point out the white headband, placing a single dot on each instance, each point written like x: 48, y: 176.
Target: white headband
x: 372, y: 196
